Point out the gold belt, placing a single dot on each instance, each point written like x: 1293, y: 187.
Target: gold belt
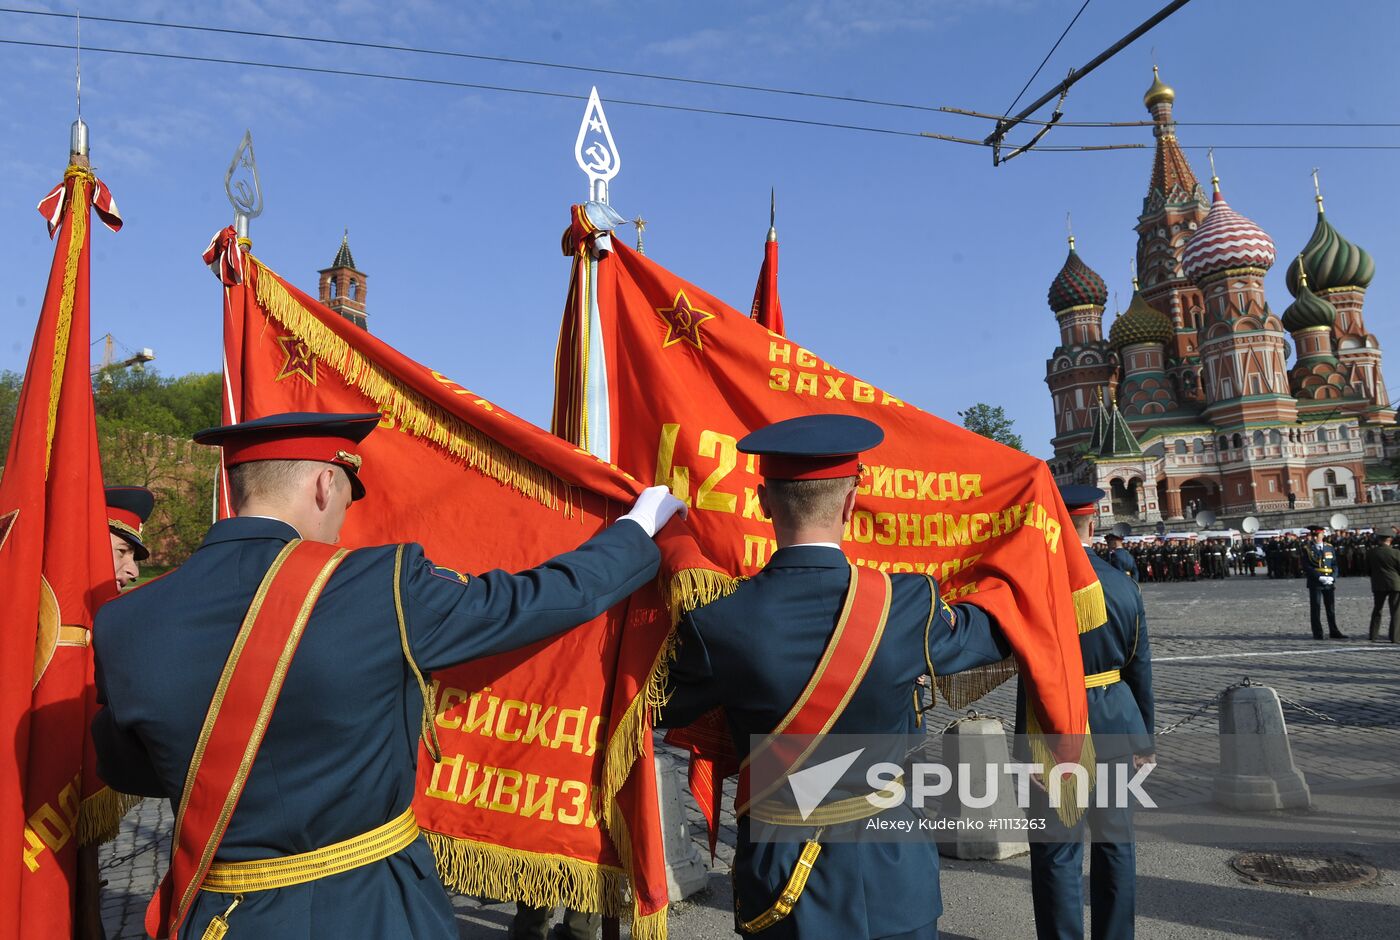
x: 1100, y: 679
x: 264, y: 874
x: 851, y: 809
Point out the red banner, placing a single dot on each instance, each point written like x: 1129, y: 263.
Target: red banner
x: 687, y: 376
x: 767, y: 309
x: 55, y: 571
x: 539, y: 743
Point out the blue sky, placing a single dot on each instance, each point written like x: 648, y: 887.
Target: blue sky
x: 910, y: 262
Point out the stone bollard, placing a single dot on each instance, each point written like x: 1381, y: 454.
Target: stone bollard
x: 978, y: 742
x: 686, y: 871
x: 1256, y: 763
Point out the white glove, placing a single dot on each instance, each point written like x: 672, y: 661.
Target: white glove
x: 654, y: 508
x: 1325, y: 580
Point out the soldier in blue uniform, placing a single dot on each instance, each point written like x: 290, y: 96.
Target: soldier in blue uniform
x: 1118, y: 674
x: 1119, y: 557
x: 754, y: 651
x: 341, y: 748
x: 128, y: 508
x: 1320, y: 566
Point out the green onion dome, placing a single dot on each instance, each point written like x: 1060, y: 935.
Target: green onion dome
x: 1140, y: 323
x: 1309, y: 310
x: 1331, y: 261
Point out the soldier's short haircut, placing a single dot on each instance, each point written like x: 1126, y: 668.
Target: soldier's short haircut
x: 794, y: 502
x: 1082, y: 524
x: 265, y: 479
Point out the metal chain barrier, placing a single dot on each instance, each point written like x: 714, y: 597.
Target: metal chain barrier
x: 129, y: 856
x: 1308, y: 711
x: 1212, y: 703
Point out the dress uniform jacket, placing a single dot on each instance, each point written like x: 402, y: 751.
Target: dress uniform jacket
x: 1123, y: 560
x: 340, y: 752
x: 1121, y: 719
x: 753, y: 652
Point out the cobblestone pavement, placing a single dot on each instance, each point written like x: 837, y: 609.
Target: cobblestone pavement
x: 1206, y: 636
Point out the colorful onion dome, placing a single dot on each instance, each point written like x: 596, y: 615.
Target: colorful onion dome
x: 1140, y: 323
x: 1331, y: 261
x: 1158, y: 91
x: 1225, y: 240
x: 1309, y: 310
x: 1077, y: 285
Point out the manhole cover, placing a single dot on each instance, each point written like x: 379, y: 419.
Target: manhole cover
x: 1305, y: 869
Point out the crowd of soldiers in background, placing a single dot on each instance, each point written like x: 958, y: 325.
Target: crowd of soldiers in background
x: 1180, y: 559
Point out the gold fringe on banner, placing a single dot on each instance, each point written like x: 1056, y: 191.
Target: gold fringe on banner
x: 100, y: 815
x: 1090, y: 611
x: 1069, y: 810
x: 409, y: 410
x: 494, y: 871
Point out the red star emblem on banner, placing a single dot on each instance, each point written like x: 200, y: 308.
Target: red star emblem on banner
x: 299, y: 359
x: 682, y: 321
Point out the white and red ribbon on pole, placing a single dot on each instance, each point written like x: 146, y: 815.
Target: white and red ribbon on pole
x: 225, y: 257
x: 51, y: 206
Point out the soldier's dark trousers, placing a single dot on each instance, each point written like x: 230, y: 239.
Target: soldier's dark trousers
x: 1057, y: 874
x: 1384, y: 598
x: 1319, y: 597
x: 532, y: 923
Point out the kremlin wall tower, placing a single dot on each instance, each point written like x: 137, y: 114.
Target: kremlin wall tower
x: 1189, y: 402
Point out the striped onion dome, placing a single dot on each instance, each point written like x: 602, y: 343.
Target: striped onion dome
x: 1077, y: 285
x: 1140, y: 323
x: 1226, y: 240
x: 1309, y: 310
x: 1332, y: 261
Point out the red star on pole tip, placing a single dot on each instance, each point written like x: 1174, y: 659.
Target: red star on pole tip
x: 682, y: 321
x: 299, y: 359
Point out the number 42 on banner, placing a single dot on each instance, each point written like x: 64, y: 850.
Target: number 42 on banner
x: 722, y: 448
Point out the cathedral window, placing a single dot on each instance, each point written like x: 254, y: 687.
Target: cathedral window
x: 1330, y: 477
x: 1258, y: 438
x: 354, y: 289
x: 335, y: 291
x: 1237, y: 441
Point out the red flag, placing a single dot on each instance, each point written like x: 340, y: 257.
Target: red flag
x: 767, y: 308
x: 56, y: 570
x: 985, y: 520
x: 545, y: 791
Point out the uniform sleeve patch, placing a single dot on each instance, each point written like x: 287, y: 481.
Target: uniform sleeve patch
x: 447, y: 574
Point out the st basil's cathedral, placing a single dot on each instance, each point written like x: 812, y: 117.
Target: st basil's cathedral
x: 1189, y: 403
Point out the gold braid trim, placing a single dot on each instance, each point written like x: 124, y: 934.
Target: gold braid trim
x: 77, y: 231
x: 1090, y: 611
x: 409, y: 410
x: 962, y: 689
x: 1069, y: 810
x: 538, y: 879
x: 100, y: 815
x: 652, y: 926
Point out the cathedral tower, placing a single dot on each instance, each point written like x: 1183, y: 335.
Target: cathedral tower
x: 1081, y: 365
x: 1173, y: 209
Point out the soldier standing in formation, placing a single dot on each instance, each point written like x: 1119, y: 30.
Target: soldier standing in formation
x: 1383, y: 562
x: 763, y: 654
x: 1319, y: 561
x: 1118, y: 677
x: 1119, y: 557
x: 315, y: 836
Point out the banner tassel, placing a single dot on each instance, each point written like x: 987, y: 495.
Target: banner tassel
x: 100, y: 815
x: 1090, y: 610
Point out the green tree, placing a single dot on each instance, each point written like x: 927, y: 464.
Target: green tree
x: 144, y: 423
x: 9, y: 401
x: 991, y: 421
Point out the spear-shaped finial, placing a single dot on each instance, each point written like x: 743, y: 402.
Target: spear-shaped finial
x: 1132, y: 269
x: 641, y: 224
x: 1069, y: 230
x: 773, y: 215
x: 1214, y: 178
x: 78, y: 133
x: 1317, y: 190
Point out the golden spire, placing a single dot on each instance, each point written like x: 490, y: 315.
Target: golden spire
x: 1132, y: 266
x: 1317, y: 188
x: 1303, y: 268
x: 1214, y: 179
x: 641, y: 224
x: 1069, y: 228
